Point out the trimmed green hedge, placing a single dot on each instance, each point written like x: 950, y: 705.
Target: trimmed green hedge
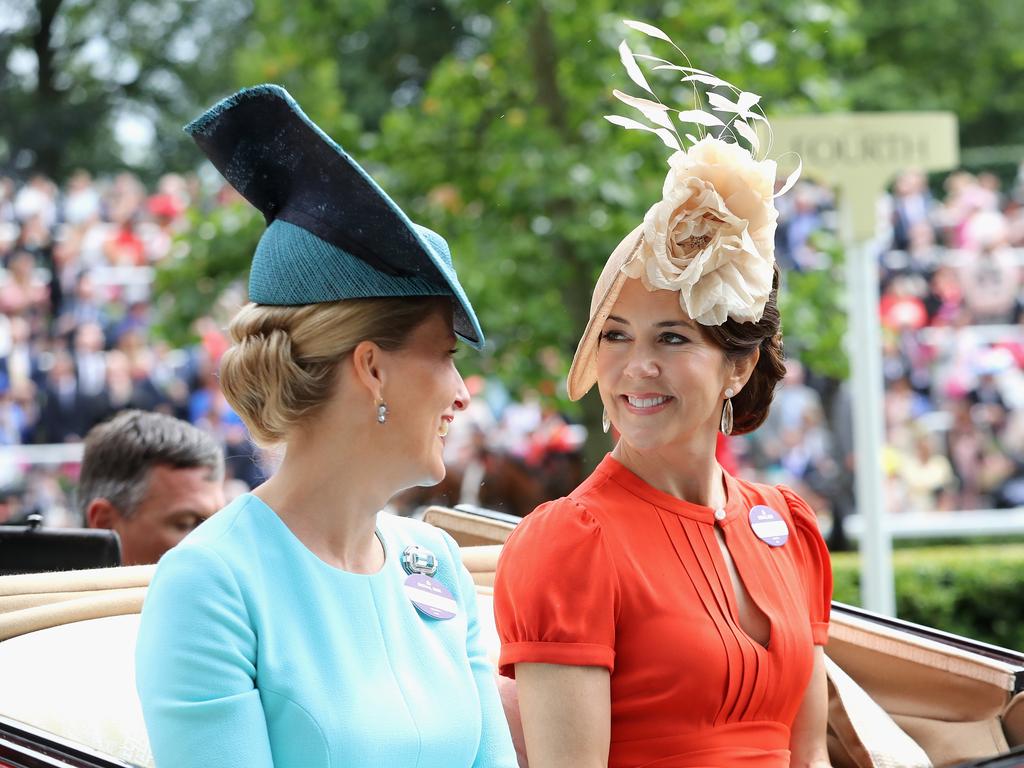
x: 974, y: 591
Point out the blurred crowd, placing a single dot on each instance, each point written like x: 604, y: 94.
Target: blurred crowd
x: 76, y: 310
x: 952, y: 309
x: 952, y: 315
x: 77, y: 306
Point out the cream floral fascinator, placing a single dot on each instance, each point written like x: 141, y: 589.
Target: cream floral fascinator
x: 711, y: 237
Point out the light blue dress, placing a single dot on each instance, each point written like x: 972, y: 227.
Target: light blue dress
x: 254, y: 652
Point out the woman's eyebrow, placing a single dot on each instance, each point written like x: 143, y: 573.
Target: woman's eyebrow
x: 672, y: 323
x: 662, y: 324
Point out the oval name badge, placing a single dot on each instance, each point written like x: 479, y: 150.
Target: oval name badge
x: 431, y: 597
x: 769, y: 526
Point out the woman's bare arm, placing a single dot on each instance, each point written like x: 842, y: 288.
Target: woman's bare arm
x: 566, y: 713
x: 807, y: 740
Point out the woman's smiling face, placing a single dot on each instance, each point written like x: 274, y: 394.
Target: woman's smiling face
x: 423, y: 394
x: 661, y: 379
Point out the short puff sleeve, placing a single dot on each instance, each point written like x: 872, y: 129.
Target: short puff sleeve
x: 815, y: 564
x: 556, y: 592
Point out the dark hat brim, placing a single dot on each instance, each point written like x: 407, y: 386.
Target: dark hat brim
x: 263, y: 144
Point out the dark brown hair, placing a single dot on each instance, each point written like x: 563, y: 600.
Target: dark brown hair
x: 738, y: 340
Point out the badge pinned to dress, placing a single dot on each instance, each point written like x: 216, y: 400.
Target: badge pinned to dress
x: 769, y: 526
x: 430, y: 597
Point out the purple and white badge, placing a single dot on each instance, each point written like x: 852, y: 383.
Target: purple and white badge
x: 769, y: 526
x: 431, y: 597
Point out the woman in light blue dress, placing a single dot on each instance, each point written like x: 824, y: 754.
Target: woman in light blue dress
x: 299, y: 626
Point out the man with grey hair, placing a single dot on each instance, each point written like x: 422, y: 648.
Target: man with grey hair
x: 152, y: 478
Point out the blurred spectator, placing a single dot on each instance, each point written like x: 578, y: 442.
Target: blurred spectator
x: 796, y: 229
x: 35, y: 237
x: 151, y: 478
x: 927, y: 476
x: 912, y: 207
x: 22, y: 292
x: 126, y: 389
x: 37, y: 200
x: 7, y: 191
x: 992, y: 277
x: 902, y: 306
x: 124, y: 247
x: 945, y: 296
x: 17, y: 358
x: 82, y: 203
x: 67, y: 413
x: 13, y: 418
x: 90, y: 359
x: 964, y: 198
x: 80, y: 308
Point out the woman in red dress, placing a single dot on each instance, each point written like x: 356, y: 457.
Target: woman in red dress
x: 665, y: 613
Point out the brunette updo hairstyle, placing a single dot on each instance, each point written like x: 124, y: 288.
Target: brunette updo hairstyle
x: 283, y: 364
x: 738, y: 340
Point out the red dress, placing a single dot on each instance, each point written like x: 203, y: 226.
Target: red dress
x: 624, y: 576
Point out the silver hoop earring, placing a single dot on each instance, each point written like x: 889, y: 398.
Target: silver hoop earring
x: 382, y: 412
x: 606, y: 423
x: 726, y: 422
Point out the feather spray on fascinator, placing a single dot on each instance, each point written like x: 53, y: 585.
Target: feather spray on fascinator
x: 711, y: 237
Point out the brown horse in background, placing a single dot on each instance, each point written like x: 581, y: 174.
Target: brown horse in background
x: 508, y: 484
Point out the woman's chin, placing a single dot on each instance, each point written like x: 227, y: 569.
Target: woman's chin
x: 432, y: 475
x: 643, y: 439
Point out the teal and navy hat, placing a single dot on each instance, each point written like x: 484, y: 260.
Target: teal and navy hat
x: 332, y: 233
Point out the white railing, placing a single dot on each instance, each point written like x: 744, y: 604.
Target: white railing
x: 950, y: 257
x: 123, y: 276
x: 41, y: 455
x: 942, y: 525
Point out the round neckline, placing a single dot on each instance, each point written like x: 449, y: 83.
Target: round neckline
x: 297, y: 543
x: 636, y: 485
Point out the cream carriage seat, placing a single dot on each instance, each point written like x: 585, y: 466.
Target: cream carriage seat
x: 67, y: 647
x: 67, y: 652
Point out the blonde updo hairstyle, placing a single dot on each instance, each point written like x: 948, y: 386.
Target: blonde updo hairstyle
x: 283, y: 364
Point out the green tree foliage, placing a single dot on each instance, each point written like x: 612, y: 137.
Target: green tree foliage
x: 813, y: 309
x: 219, y: 249
x: 72, y: 68
x: 484, y: 118
x: 508, y: 153
x: 944, y: 54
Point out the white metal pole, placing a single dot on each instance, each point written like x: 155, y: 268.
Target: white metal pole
x: 865, y: 347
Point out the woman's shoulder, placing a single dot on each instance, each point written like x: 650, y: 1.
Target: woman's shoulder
x: 797, y: 513
x: 782, y: 498
x: 224, y: 532
x: 208, y: 567
x: 221, y: 544
x: 555, y: 530
x: 586, y: 504
x: 804, y: 518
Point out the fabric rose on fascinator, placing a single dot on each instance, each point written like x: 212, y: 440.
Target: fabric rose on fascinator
x: 711, y: 236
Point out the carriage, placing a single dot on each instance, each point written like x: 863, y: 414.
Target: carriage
x: 899, y: 694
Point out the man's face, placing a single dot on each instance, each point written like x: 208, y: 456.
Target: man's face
x: 176, y: 501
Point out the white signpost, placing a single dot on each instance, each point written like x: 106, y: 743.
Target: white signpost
x: 859, y: 154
